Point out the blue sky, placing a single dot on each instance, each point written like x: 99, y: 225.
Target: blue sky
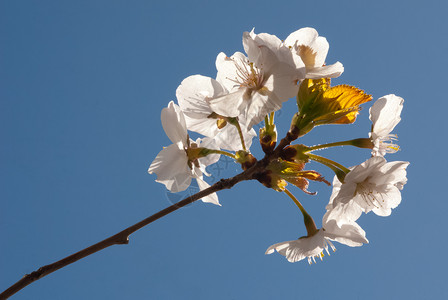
x: 82, y: 84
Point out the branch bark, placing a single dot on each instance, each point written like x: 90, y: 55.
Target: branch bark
x: 123, y: 236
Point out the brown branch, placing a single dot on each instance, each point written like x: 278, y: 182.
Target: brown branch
x: 123, y: 236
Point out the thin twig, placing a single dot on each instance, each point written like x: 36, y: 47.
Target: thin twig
x: 123, y: 236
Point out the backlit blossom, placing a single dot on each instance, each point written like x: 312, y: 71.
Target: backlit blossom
x: 346, y: 232
x: 178, y: 163
x: 308, y: 247
x: 193, y: 95
x: 385, y: 115
x: 375, y: 185
x: 312, y: 50
x: 342, y: 211
x: 259, y: 83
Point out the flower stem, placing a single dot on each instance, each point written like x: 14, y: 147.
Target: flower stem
x: 221, y: 152
x: 297, y: 202
x: 361, y: 143
x: 324, y: 146
x: 328, y: 162
x: 309, y: 222
x: 240, y: 132
x: 337, y: 168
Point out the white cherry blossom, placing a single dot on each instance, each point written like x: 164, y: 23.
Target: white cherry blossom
x: 172, y: 165
x: 308, y: 247
x: 385, y: 115
x: 312, y: 50
x: 346, y: 232
x: 342, y: 211
x: 193, y: 95
x: 259, y: 83
x: 375, y: 185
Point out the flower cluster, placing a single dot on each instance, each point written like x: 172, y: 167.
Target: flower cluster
x: 248, y: 89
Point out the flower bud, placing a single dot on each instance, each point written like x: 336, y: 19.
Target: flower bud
x: 246, y: 159
x: 295, y: 153
x: 299, y: 127
x: 268, y: 138
x: 272, y: 181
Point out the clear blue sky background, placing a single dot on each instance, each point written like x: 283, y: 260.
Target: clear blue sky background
x: 82, y: 84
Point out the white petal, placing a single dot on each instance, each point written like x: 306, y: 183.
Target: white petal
x: 212, y: 198
x: 383, y: 188
x: 264, y: 50
x: 208, y: 143
x: 283, y: 81
x: 173, y: 123
x: 320, y: 46
x: 228, y: 137
x: 336, y: 188
x: 312, y: 50
x: 193, y: 95
x: 251, y: 47
x: 343, y: 211
x: 230, y: 105
x: 278, y: 247
x: 385, y: 114
x: 262, y: 104
x: 331, y: 71
x: 204, y: 126
x: 303, y: 36
x: 283, y: 64
x: 307, y: 46
x: 171, y: 168
x: 301, y: 248
x: 227, y: 69
x: 394, y: 172
x: 270, y: 41
x: 362, y: 171
x: 344, y: 195
x: 197, y: 172
x: 348, y: 233
x: 388, y: 200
